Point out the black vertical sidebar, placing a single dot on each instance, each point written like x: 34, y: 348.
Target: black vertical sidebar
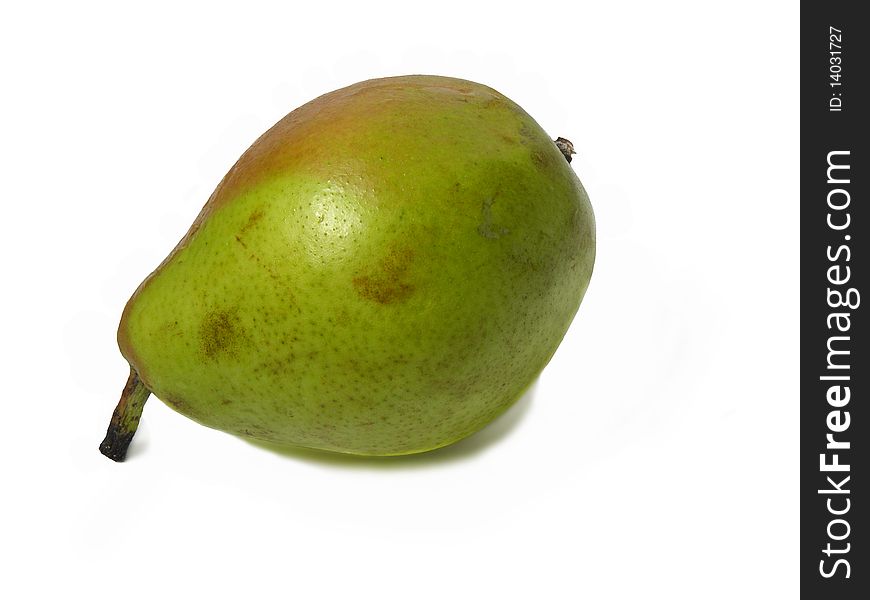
x: 834, y: 369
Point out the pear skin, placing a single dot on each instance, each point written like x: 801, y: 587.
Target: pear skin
x: 382, y: 272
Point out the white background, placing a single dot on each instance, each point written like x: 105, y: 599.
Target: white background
x: 655, y: 458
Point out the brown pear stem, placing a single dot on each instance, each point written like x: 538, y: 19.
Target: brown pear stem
x: 565, y: 147
x: 125, y: 419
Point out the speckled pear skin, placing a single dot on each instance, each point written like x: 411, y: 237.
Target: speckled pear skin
x: 383, y: 272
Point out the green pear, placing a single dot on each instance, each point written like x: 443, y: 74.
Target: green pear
x: 383, y: 272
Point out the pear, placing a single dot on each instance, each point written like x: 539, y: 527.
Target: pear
x: 383, y: 272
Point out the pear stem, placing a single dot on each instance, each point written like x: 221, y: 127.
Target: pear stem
x: 125, y: 419
x: 565, y: 147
